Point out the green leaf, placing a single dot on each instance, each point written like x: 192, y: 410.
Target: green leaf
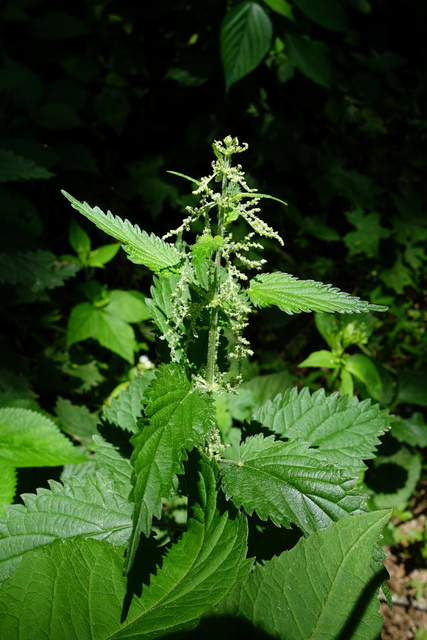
x: 112, y: 106
x: 398, y: 276
x: 412, y: 387
x: 179, y: 417
x: 127, y: 305
x: 363, y: 369
x: 321, y: 359
x: 340, y: 331
x: 88, y: 321
x: 14, y: 168
x: 411, y: 430
x: 288, y: 482
x: 329, y: 13
x: 310, y: 57
x: 293, y: 296
x: 154, y: 253
x: 368, y: 235
x: 110, y: 459
x: 76, y: 421
x: 79, y: 239
x: 267, y: 387
x: 246, y: 34
x: 30, y: 439
x: 322, y: 588
x: 394, y: 478
x: 55, y: 115
x: 37, y: 270
x: 343, y: 429
x: 75, y: 588
x: 347, y: 385
x: 126, y: 410
x: 88, y: 506
x: 8, y: 481
x: 102, y: 255
x: 282, y: 7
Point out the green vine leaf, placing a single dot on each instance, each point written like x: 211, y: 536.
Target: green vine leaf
x: 88, y: 506
x: 178, y: 418
x: 292, y: 295
x: 75, y: 588
x: 288, y: 482
x: 149, y: 250
x: 342, y: 429
x: 313, y: 590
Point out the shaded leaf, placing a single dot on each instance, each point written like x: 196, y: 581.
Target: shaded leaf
x: 322, y: 588
x: 62, y: 581
x: 14, y: 168
x: 179, y: 417
x: 88, y: 506
x: 126, y: 410
x: 411, y: 430
x: 310, y: 57
x: 329, y: 13
x: 37, y: 270
x: 77, y: 421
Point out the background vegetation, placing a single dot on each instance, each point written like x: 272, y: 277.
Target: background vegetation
x: 102, y: 98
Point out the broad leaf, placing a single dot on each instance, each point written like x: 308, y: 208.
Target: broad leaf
x: 88, y: 506
x: 142, y: 248
x: 76, y: 421
x: 310, y: 57
x: 329, y: 13
x: 322, y: 588
x: 288, y: 482
x: 30, y: 439
x: 37, y: 270
x: 88, y: 321
x: 321, y: 359
x: 75, y: 589
x: 100, y: 256
x: 14, y: 168
x: 411, y: 430
x: 110, y: 459
x: 293, y: 296
x: 179, y: 417
x: 245, y: 39
x: 127, y: 305
x: 343, y: 429
x: 282, y: 7
x: 364, y: 370
x: 126, y: 410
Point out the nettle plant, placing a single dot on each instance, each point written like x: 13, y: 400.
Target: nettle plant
x: 278, y: 540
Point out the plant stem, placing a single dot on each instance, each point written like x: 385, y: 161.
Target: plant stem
x: 213, y: 323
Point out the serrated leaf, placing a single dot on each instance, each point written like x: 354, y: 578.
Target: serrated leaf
x: 154, y: 253
x: 126, y: 410
x: 88, y: 506
x: 292, y: 295
x: 246, y: 34
x: 179, y: 417
x: 75, y: 589
x: 30, y: 439
x: 110, y: 459
x: 37, y: 270
x: 14, y: 168
x: 310, y: 57
x: 343, y: 429
x: 288, y: 482
x: 322, y: 588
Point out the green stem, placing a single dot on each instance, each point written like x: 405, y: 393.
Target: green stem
x: 213, y: 323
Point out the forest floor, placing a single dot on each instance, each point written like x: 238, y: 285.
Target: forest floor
x: 408, y: 585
